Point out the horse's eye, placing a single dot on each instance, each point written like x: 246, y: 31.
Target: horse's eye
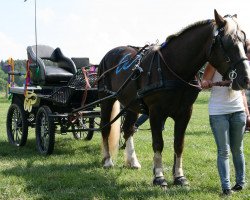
x: 229, y: 40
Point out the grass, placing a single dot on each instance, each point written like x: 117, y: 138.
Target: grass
x: 74, y: 171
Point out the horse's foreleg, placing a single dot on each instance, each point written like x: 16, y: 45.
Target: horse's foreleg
x: 130, y: 155
x: 179, y: 135
x: 158, y: 144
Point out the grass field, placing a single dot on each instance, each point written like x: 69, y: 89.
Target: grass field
x: 74, y: 171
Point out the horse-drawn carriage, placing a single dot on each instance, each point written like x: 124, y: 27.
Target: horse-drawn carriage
x: 55, y: 86
x: 158, y: 80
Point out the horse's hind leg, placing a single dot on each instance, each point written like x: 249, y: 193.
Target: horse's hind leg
x: 179, y: 135
x: 128, y: 127
x: 109, y: 108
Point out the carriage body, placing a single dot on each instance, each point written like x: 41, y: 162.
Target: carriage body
x: 48, y: 101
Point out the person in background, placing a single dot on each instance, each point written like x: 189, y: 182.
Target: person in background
x: 227, y: 116
x: 141, y: 119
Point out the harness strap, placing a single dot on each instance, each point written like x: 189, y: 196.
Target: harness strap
x: 159, y: 70
x: 149, y: 69
x: 87, y: 86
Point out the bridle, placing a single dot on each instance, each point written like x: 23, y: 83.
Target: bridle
x: 217, y: 40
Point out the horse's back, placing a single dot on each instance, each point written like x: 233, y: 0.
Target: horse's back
x: 113, y: 57
x: 115, y: 67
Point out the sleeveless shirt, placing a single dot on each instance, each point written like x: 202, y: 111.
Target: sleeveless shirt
x: 224, y: 100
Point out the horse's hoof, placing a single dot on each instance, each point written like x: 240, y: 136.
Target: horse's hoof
x: 181, y: 181
x: 133, y: 164
x: 160, y: 181
x: 136, y: 166
x: 108, y: 163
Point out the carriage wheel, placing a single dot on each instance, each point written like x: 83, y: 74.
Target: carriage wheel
x: 80, y: 134
x: 45, y: 131
x: 17, y: 125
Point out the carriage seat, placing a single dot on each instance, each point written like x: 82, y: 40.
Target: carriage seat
x: 51, y: 67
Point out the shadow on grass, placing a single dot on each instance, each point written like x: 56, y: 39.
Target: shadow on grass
x: 86, y: 181
x: 41, y: 177
x: 62, y: 147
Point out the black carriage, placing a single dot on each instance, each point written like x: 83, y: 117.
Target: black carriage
x: 55, y: 86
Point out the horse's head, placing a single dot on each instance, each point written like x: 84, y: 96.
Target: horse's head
x: 227, y: 53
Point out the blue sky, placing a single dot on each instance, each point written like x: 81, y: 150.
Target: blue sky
x: 90, y: 28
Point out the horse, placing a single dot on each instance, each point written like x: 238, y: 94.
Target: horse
x: 160, y: 81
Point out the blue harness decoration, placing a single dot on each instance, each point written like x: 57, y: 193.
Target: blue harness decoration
x: 126, y: 62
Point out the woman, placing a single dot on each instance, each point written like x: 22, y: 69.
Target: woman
x: 227, y: 115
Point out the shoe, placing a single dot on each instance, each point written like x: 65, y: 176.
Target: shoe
x: 227, y: 192
x: 237, y: 188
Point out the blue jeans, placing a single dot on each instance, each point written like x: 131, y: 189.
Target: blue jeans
x: 141, y: 120
x: 228, y: 132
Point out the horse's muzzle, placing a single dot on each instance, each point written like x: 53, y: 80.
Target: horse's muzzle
x: 241, y: 83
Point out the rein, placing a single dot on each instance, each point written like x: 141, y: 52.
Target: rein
x: 226, y: 83
x: 175, y: 74
x: 221, y: 83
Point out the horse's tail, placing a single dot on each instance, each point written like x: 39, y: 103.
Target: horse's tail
x: 115, y: 130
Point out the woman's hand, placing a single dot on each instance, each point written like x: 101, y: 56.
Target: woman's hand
x: 205, y: 84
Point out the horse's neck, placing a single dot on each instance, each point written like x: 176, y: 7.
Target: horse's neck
x: 187, y: 53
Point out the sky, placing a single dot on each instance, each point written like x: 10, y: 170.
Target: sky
x: 90, y: 28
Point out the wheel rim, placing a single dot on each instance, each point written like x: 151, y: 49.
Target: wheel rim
x: 16, y: 126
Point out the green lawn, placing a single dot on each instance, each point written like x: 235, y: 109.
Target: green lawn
x: 74, y: 170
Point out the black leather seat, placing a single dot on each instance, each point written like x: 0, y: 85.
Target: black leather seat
x: 49, y: 66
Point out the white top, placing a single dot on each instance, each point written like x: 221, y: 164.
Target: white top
x: 224, y: 100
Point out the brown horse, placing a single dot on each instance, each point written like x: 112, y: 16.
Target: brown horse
x: 160, y: 81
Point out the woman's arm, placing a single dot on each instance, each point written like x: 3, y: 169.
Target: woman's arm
x: 207, y: 76
x: 246, y: 110
x: 245, y: 102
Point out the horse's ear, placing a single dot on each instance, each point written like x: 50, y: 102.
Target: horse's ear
x: 219, y: 19
x: 235, y: 15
